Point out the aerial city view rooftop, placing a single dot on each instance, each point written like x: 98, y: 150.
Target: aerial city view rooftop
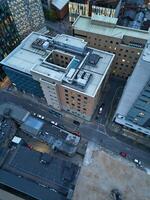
x: 74, y: 100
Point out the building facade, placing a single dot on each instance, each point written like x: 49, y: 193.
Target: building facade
x: 87, y: 8
x: 134, y: 107
x: 62, y: 69
x: 103, y: 33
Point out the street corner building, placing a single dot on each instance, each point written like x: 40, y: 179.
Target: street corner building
x: 62, y: 69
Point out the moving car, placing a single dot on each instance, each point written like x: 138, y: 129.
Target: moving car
x: 101, y: 108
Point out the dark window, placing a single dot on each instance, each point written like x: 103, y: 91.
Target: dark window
x: 85, y: 97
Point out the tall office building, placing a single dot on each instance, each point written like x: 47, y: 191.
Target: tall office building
x: 70, y: 75
x: 17, y: 19
x: 103, y: 33
x: 9, y: 36
x: 134, y: 107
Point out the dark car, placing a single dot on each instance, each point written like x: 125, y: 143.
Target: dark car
x: 76, y: 123
x: 123, y: 154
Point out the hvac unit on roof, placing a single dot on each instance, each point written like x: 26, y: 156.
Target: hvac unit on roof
x: 93, y: 59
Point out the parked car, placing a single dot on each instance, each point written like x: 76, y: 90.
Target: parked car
x: 76, y: 133
x: 137, y: 162
x: 40, y: 116
x: 76, y: 123
x: 55, y: 123
x: 123, y: 154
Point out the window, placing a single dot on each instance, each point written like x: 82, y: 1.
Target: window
x: 72, y: 97
x: 84, y: 109
x: 79, y: 95
x: 79, y: 99
x: 66, y: 95
x: 85, y: 97
x: 67, y: 102
x: 73, y: 104
x: 66, y: 90
x: 67, y: 99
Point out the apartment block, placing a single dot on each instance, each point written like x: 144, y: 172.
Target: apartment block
x: 103, y: 33
x: 62, y: 69
x: 134, y: 107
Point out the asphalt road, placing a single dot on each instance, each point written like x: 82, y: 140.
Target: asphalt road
x: 90, y: 132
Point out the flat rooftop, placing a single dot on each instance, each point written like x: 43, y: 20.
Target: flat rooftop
x: 89, y: 25
x: 31, y: 59
x: 27, y: 187
x: 136, y: 82
x: 43, y: 169
x: 16, y: 112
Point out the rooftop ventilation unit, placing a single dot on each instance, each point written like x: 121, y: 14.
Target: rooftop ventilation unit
x: 42, y: 43
x: 93, y: 59
x: 38, y: 43
x: 83, y: 78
